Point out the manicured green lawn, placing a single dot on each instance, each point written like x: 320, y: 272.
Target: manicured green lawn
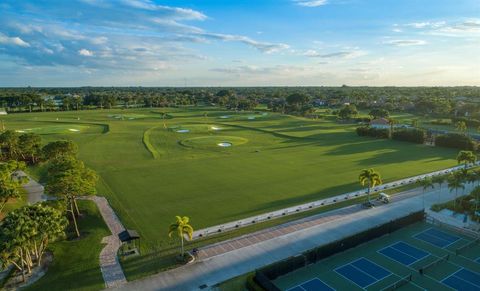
x: 75, y: 265
x: 275, y: 161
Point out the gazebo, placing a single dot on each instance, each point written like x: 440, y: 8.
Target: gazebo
x: 128, y: 238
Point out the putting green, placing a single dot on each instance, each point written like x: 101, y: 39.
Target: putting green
x: 214, y: 141
x: 55, y: 129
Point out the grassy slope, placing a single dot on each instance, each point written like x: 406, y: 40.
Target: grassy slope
x: 286, y: 161
x: 75, y: 265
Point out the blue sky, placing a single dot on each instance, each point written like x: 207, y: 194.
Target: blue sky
x: 239, y: 43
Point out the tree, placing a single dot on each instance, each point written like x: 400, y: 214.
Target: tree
x: 461, y: 126
x: 476, y: 194
x: 466, y: 157
x: 30, y: 146
x: 70, y: 184
x: 348, y: 111
x: 439, y: 180
x: 425, y: 183
x: 9, y: 183
x: 181, y: 228
x: 26, y: 233
x: 379, y: 113
x: 455, y: 182
x: 371, y: 178
x: 58, y: 149
x: 10, y: 144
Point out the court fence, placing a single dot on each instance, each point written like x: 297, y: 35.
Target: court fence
x: 265, y: 276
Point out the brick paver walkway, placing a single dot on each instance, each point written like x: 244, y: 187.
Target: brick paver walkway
x: 266, y: 234
x: 110, y: 266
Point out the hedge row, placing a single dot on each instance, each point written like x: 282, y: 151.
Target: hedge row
x: 457, y: 141
x: 373, y: 132
x: 410, y: 135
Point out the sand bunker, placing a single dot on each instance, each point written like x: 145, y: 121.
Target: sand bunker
x: 224, y: 116
x: 73, y: 129
x: 215, y: 128
x: 224, y: 144
x: 183, y: 130
x: 251, y: 117
x: 20, y: 131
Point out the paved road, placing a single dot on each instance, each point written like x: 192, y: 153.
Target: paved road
x: 218, y: 266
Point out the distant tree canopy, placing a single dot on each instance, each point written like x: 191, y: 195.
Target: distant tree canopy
x: 439, y: 102
x: 348, y: 112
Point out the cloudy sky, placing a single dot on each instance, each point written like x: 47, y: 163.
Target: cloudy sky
x: 239, y: 43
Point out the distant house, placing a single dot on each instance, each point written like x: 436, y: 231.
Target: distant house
x: 380, y: 123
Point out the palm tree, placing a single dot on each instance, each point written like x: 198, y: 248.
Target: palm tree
x: 371, y: 178
x: 181, y: 228
x: 426, y: 183
x: 439, y: 180
x: 476, y: 173
x: 455, y: 182
x: 461, y: 126
x: 476, y: 194
x: 392, y: 123
x: 466, y: 157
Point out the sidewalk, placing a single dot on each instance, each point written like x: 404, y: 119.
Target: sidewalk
x: 220, y: 267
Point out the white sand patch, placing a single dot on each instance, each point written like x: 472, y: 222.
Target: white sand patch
x: 20, y: 131
x: 251, y: 117
x: 73, y: 129
x: 224, y: 116
x: 224, y: 144
x: 216, y: 128
x: 183, y: 130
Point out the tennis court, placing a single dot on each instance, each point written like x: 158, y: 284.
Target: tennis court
x: 417, y: 257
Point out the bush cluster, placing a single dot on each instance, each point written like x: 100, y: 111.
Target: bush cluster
x: 457, y: 141
x: 373, y: 132
x: 470, y: 122
x: 410, y: 135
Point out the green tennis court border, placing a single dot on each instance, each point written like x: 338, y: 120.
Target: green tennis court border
x: 431, y: 279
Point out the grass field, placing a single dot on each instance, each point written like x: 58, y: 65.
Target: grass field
x: 366, y: 267
x: 275, y: 161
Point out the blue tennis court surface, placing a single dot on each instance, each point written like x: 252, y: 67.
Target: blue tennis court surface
x: 437, y: 238
x: 464, y: 280
x: 363, y: 272
x: 403, y: 253
x: 312, y: 285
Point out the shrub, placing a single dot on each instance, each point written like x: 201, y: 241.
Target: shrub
x: 252, y: 285
x: 373, y: 132
x: 410, y: 135
x: 470, y: 122
x: 457, y: 141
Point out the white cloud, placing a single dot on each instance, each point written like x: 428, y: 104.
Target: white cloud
x: 17, y: 41
x: 427, y: 24
x: 310, y: 3
x: 345, y: 54
x: 406, y: 42
x: 85, y: 53
x: 265, y: 47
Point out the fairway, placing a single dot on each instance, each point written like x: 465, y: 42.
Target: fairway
x: 273, y: 161
x: 384, y: 263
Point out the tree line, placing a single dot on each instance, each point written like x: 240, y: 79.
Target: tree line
x: 434, y: 101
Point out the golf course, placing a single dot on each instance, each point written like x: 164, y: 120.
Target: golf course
x: 217, y: 166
